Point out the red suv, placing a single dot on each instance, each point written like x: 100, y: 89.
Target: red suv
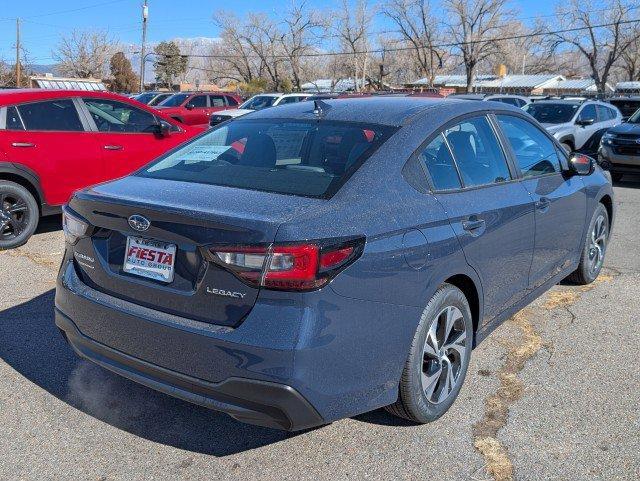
x: 53, y: 142
x: 196, y: 108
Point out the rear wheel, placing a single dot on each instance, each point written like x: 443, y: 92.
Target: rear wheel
x: 593, y: 249
x: 438, y: 360
x: 19, y: 215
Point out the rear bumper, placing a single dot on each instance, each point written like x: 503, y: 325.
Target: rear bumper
x: 251, y: 401
x: 289, y: 365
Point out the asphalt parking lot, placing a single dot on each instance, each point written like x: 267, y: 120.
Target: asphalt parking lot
x: 553, y: 394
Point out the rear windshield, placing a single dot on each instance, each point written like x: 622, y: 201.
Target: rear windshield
x: 307, y: 158
x: 175, y: 100
x: 550, y: 113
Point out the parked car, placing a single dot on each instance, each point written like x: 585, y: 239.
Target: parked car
x: 257, y: 102
x: 620, y: 148
x: 53, y: 142
x: 626, y: 105
x: 152, y: 98
x: 515, y: 100
x: 333, y: 264
x: 574, y: 122
x: 197, y: 108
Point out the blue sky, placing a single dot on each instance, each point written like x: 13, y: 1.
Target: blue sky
x: 44, y: 20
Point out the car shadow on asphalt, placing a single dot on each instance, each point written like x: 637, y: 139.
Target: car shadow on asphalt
x: 31, y: 344
x: 50, y: 223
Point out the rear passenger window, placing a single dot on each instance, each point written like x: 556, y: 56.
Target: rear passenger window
x: 52, y: 115
x: 535, y: 153
x: 216, y: 100
x: 13, y: 119
x: 439, y: 162
x: 477, y: 153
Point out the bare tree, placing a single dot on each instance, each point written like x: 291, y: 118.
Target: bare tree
x: 262, y: 35
x: 630, y: 57
x: 84, y: 53
x: 351, y: 27
x: 523, y: 49
x: 301, y: 34
x: 475, y: 26
x: 420, y: 30
x: 602, y: 46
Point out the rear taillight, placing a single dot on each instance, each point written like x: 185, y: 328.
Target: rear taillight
x: 290, y: 267
x: 73, y: 226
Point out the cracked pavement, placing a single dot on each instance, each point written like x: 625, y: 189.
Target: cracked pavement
x: 552, y: 394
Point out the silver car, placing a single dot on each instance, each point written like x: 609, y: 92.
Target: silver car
x: 574, y: 122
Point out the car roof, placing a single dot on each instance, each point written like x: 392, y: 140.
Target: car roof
x: 563, y: 101
x: 392, y: 111
x: 28, y: 95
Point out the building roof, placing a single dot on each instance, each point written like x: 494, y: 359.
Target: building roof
x: 582, y: 84
x: 493, y: 81
x: 58, y: 83
x: 627, y: 86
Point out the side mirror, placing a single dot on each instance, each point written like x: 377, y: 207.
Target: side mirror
x: 580, y: 164
x: 162, y: 129
x: 585, y: 122
x: 189, y: 106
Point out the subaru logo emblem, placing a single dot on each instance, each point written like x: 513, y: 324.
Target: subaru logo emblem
x: 139, y: 223
x: 637, y: 141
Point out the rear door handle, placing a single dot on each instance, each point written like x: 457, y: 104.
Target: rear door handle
x: 113, y: 147
x: 23, y: 144
x: 473, y: 224
x: 543, y: 204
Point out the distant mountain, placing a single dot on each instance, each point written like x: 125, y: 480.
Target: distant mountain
x: 41, y: 69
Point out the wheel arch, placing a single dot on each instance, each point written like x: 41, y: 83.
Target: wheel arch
x: 568, y: 139
x: 471, y: 291
x: 24, y: 177
x: 607, y: 201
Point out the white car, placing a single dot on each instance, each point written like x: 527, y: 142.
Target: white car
x: 573, y: 122
x: 257, y: 102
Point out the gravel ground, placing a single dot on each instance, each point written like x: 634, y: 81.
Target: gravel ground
x: 554, y: 393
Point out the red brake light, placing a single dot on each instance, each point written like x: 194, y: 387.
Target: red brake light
x: 293, y: 267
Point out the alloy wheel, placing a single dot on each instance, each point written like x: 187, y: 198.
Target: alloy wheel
x: 444, y: 354
x: 14, y: 215
x: 597, y: 245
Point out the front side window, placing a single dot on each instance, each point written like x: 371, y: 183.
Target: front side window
x: 51, y: 115
x: 307, y: 158
x: 588, y: 113
x: 199, y: 101
x: 552, y: 113
x: 477, y: 152
x: 437, y: 158
x: 114, y: 116
x: 535, y: 153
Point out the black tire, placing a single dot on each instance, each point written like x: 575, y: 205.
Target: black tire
x: 616, y: 176
x: 567, y: 147
x: 587, y: 271
x: 413, y: 401
x: 19, y: 215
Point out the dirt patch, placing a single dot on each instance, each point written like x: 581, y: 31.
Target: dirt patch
x: 497, y: 405
x: 52, y: 262
x: 557, y: 299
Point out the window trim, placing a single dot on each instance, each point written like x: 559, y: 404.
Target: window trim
x: 3, y: 118
x: 513, y: 172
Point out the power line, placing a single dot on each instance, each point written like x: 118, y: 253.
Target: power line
x: 401, y: 49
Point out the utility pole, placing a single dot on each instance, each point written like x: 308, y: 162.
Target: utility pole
x: 145, y: 15
x: 18, y: 72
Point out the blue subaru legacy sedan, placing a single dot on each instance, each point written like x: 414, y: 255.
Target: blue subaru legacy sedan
x: 323, y: 259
